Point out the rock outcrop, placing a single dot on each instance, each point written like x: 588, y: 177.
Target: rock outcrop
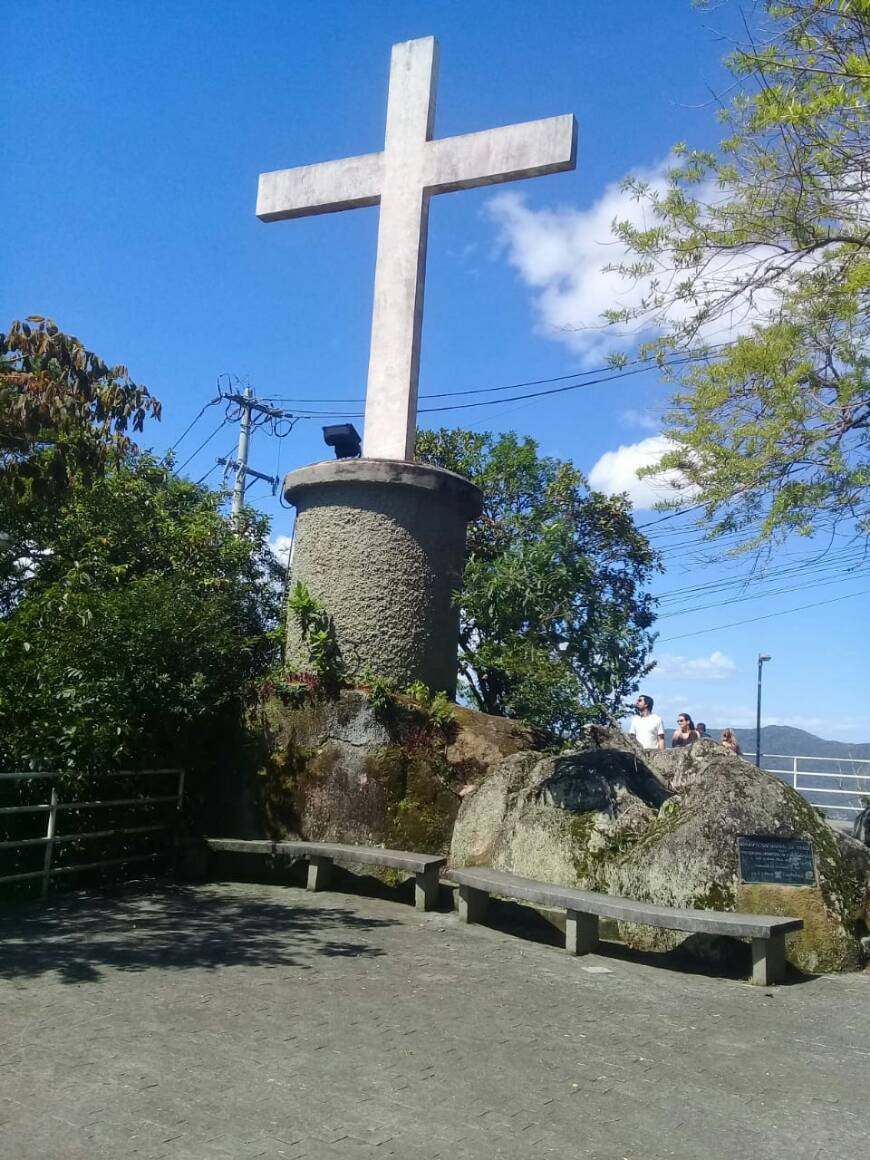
x: 337, y: 770
x: 663, y: 827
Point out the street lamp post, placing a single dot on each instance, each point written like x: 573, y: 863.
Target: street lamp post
x: 762, y: 657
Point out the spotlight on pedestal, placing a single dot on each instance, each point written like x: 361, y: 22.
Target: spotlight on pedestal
x: 344, y: 437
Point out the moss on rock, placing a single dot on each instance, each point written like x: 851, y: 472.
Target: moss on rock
x: 335, y: 770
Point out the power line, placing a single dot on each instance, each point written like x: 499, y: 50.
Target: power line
x: 804, y: 567
x: 486, y: 402
x: 767, y: 616
x: 608, y: 375
x: 671, y: 515
x: 823, y: 580
x: 210, y: 471
x: 193, y: 422
x: 220, y: 425
x: 535, y: 394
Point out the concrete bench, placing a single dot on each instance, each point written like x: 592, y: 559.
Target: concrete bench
x: 585, y: 907
x: 321, y: 855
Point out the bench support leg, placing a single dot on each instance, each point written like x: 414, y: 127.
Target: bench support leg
x: 472, y: 904
x: 426, y: 888
x: 319, y: 869
x: 768, y: 960
x: 581, y: 932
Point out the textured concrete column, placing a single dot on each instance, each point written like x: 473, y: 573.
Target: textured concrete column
x: 319, y: 872
x: 472, y: 904
x: 381, y: 543
x: 426, y: 888
x: 581, y: 932
x: 768, y: 960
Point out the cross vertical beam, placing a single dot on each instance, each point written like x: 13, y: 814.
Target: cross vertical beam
x: 400, y: 270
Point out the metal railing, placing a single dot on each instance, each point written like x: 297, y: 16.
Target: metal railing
x: 55, y: 807
x: 839, y: 794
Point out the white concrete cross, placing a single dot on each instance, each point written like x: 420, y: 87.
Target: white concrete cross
x: 402, y: 178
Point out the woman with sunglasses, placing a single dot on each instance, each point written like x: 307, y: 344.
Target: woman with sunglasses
x: 685, y: 732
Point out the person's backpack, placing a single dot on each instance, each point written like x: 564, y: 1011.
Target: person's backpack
x: 861, y: 829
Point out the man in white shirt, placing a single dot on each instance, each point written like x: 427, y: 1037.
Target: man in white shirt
x: 647, y: 726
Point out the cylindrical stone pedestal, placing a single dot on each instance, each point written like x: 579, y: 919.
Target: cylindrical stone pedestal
x: 381, y: 543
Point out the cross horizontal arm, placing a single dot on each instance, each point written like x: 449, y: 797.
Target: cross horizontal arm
x: 324, y: 188
x: 506, y: 154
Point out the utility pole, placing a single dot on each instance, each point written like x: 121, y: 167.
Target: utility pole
x: 242, y: 454
x: 762, y: 657
x: 247, y: 405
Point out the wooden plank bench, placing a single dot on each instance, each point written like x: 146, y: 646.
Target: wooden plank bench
x: 585, y: 907
x: 321, y: 855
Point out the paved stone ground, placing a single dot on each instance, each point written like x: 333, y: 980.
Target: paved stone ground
x: 236, y: 1021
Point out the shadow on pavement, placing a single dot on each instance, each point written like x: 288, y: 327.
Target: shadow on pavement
x: 172, y: 927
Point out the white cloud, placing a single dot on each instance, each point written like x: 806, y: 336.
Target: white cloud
x: 616, y: 471
x: 716, y: 667
x: 561, y: 254
x: 281, y: 547
x: 646, y: 420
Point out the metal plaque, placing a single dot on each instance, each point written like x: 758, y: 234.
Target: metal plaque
x: 784, y: 861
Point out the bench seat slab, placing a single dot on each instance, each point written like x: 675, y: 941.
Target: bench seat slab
x: 506, y: 885
x: 407, y: 860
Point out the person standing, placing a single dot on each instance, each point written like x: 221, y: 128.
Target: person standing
x: 646, y: 726
x: 729, y: 740
x: 701, y: 730
x: 685, y: 732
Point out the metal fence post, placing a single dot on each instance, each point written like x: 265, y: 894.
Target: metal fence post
x: 49, y: 843
x: 178, y: 854
x: 794, y: 762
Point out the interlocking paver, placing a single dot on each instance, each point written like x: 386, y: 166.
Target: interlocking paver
x: 241, y: 1021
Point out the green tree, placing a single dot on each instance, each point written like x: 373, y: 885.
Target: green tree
x: 139, y: 618
x: 770, y: 236
x: 554, y: 626
x: 64, y: 413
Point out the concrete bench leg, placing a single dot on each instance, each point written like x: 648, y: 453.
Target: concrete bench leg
x: 581, y: 932
x: 319, y: 870
x: 426, y: 888
x: 472, y: 904
x: 768, y: 960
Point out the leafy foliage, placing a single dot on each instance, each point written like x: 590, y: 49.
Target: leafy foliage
x: 318, y: 633
x: 554, y: 626
x: 381, y: 693
x: 770, y: 237
x: 141, y: 615
x: 437, y: 707
x: 64, y: 413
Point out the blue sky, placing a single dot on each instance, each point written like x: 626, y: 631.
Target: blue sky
x: 134, y: 135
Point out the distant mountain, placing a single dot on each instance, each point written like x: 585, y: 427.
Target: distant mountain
x: 793, y: 742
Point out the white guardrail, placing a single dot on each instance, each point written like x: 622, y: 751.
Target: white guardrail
x: 55, y: 807
x: 840, y: 794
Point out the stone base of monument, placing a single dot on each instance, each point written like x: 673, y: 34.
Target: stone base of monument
x: 381, y: 544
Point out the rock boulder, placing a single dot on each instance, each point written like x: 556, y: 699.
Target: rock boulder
x: 663, y: 827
